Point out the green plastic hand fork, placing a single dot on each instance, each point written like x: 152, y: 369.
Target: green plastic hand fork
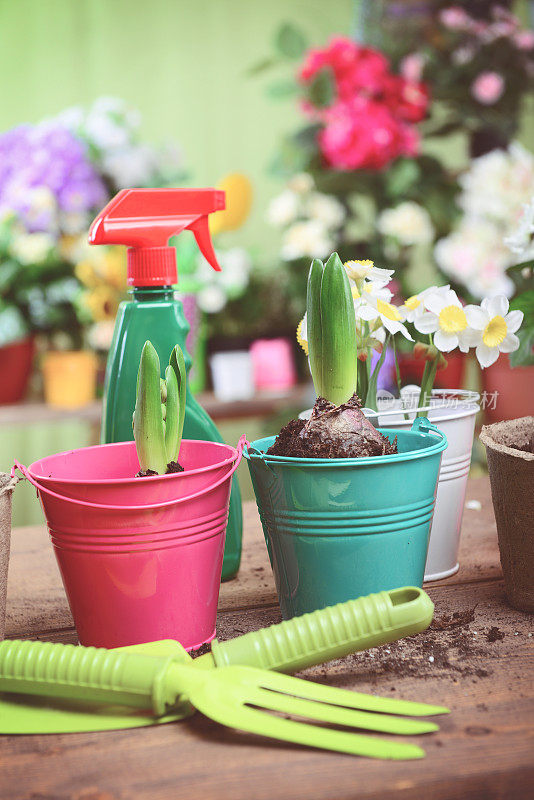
x: 226, y: 694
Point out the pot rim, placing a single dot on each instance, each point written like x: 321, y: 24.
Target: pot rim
x: 116, y: 481
x: 489, y: 442
x: 291, y: 461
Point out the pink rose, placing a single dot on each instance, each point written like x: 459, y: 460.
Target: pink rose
x: 364, y: 134
x: 524, y: 40
x: 487, y: 88
x: 411, y: 67
x: 455, y: 18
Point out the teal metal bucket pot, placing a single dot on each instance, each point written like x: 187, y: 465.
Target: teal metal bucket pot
x: 337, y: 529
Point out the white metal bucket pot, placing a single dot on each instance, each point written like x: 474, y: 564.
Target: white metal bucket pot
x: 454, y: 413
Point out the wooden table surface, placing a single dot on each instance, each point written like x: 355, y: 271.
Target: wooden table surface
x: 477, y: 658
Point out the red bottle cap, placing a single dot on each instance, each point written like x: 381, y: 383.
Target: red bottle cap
x: 145, y: 219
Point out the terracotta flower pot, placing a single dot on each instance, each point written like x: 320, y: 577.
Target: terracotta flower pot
x: 16, y: 361
x: 512, y: 489
x: 69, y: 378
x: 508, y: 392
x: 450, y: 377
x: 7, y: 484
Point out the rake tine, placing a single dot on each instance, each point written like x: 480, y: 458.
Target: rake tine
x: 254, y: 721
x: 339, y: 697
x: 337, y: 715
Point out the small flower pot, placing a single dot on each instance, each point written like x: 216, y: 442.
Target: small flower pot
x: 508, y: 391
x: 511, y: 474
x: 7, y: 484
x: 340, y: 528
x: 16, y: 360
x: 69, y: 378
x: 141, y: 559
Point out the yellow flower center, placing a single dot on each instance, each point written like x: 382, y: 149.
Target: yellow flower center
x: 355, y: 264
x: 495, y: 331
x: 413, y: 302
x: 452, y: 319
x: 303, y: 343
x: 388, y: 310
x: 355, y: 293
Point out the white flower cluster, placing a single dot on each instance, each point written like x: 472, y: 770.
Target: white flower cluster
x: 216, y: 288
x: 408, y: 223
x: 309, y: 219
x: 494, y: 191
x: 521, y: 240
x: 435, y: 312
x: 110, y: 127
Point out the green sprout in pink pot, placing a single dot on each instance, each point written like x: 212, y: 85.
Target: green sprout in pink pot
x: 158, y: 418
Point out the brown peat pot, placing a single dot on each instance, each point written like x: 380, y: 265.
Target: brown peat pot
x: 511, y: 473
x: 7, y: 484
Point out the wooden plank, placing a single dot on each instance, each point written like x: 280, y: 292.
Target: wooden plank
x: 483, y: 750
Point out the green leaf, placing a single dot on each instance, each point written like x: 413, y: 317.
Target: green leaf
x: 289, y: 41
x: 148, y: 425
x: 338, y: 334
x: 172, y: 438
x: 525, y: 302
x: 177, y: 362
x: 321, y: 91
x: 524, y: 356
x: 260, y: 66
x: 402, y: 176
x: 314, y: 323
x: 282, y: 89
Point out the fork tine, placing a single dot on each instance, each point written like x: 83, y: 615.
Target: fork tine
x: 337, y: 715
x: 254, y: 721
x: 334, y: 696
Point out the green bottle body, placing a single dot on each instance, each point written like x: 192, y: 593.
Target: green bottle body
x: 156, y: 314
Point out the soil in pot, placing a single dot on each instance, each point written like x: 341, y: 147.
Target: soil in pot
x: 172, y: 467
x: 332, y: 432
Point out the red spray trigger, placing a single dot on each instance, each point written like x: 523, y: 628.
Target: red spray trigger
x: 145, y: 219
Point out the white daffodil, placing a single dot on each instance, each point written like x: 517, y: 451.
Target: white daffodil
x: 358, y: 270
x: 375, y: 310
x: 414, y: 306
x: 494, y: 328
x: 445, y: 317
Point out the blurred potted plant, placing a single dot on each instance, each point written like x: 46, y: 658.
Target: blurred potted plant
x: 53, y: 176
x: 206, y: 294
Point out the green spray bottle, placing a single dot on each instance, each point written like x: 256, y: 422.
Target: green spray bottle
x: 144, y: 220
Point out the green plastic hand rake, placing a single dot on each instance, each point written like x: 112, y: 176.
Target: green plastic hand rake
x: 234, y: 695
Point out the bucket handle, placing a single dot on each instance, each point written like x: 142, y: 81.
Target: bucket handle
x: 239, y: 450
x: 423, y: 425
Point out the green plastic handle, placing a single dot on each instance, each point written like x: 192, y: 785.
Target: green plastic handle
x: 85, y: 673
x: 330, y: 633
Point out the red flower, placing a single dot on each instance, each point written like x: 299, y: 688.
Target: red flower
x: 364, y: 134
x: 354, y: 68
x: 407, y: 99
x: 370, y: 120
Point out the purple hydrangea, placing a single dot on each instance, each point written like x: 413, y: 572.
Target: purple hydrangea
x: 46, y: 161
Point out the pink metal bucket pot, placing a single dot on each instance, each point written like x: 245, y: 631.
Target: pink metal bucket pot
x: 138, y: 573
x: 105, y: 473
